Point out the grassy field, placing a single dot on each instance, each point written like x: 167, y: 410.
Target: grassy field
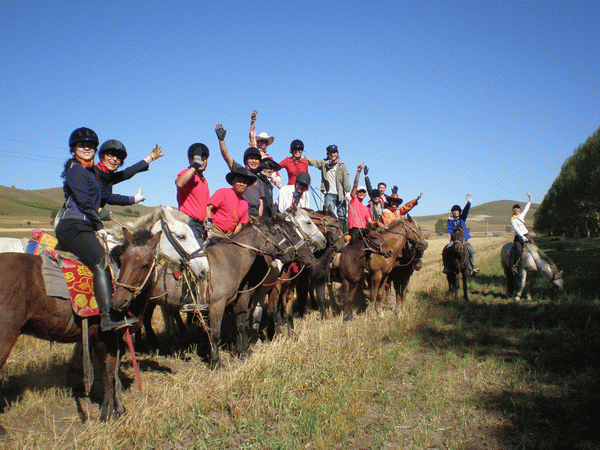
x: 439, y: 373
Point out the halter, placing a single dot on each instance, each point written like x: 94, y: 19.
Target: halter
x: 294, y: 220
x: 185, y: 256
x: 135, y: 291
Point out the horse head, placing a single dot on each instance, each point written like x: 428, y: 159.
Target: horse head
x: 283, y: 241
x: 375, y: 242
x: 179, y: 244
x: 331, y: 227
x: 306, y: 228
x: 137, y: 263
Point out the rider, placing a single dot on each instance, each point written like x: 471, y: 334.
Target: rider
x: 517, y: 221
x: 267, y: 169
x: 393, y: 211
x: 377, y: 196
x: 359, y: 215
x: 296, y: 194
x: 79, y: 226
x: 458, y: 219
x: 227, y: 207
x: 112, y: 155
x: 295, y: 164
x: 193, y: 192
x: 335, y: 182
x: 262, y: 141
x: 254, y: 195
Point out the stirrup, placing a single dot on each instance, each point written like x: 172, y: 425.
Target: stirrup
x: 108, y: 324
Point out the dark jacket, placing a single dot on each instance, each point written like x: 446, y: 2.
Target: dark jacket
x: 460, y: 222
x: 107, y: 180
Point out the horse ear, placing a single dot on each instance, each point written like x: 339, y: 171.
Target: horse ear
x: 155, y: 239
x: 167, y: 214
x: 128, y: 235
x: 559, y: 274
x: 427, y: 236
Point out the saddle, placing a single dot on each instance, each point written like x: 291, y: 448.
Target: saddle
x: 64, y: 276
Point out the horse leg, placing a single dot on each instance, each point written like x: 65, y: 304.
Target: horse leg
x: 302, y: 292
x: 521, y: 284
x: 242, y: 319
x: 9, y: 333
x: 215, y: 316
x: 464, y: 283
x: 319, y: 288
x: 288, y: 304
x: 151, y: 341
x: 510, y: 280
x: 347, y: 299
x: 374, y: 294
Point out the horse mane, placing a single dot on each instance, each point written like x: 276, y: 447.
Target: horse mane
x: 140, y: 237
x: 398, y: 221
x: 144, y: 222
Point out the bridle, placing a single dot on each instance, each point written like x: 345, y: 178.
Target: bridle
x: 135, y: 291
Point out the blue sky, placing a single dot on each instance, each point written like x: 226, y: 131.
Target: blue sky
x: 441, y: 97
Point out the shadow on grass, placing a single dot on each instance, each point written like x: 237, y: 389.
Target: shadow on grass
x: 559, y: 343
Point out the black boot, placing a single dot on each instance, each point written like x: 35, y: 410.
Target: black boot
x: 109, y: 319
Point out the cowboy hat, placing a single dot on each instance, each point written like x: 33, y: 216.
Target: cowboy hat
x: 240, y: 172
x: 268, y: 163
x: 266, y: 137
x: 393, y: 198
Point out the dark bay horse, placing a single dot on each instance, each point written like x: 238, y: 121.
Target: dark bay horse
x: 27, y: 309
x: 533, y: 259
x: 230, y: 275
x: 456, y: 257
x: 354, y: 260
x: 315, y: 276
x: 409, y: 246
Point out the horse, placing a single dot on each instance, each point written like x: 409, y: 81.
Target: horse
x: 456, y: 258
x: 354, y: 260
x: 11, y: 245
x: 281, y: 298
x: 181, y: 257
x: 27, y: 309
x: 230, y: 274
x: 409, y: 244
x: 533, y: 259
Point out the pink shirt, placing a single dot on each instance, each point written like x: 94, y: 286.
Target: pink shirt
x: 228, y: 209
x: 359, y: 215
x: 294, y: 168
x: 193, y: 197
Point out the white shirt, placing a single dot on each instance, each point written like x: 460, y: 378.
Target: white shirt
x: 286, y: 198
x: 518, y: 223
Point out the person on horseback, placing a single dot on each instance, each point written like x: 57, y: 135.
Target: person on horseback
x: 79, y: 227
x: 393, y: 211
x: 112, y: 155
x: 267, y: 169
x: 335, y: 182
x: 517, y: 220
x: 359, y: 215
x: 296, y: 194
x: 458, y: 219
x: 193, y: 192
x: 376, y: 196
x: 254, y: 194
x: 295, y: 164
x: 262, y: 141
x: 227, y: 208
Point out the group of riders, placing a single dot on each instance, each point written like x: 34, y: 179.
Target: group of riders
x: 88, y: 188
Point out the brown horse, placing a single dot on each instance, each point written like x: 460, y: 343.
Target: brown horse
x: 26, y: 309
x: 230, y: 275
x: 353, y: 261
x: 406, y: 239
x: 456, y: 261
x: 410, y: 260
x: 281, y: 298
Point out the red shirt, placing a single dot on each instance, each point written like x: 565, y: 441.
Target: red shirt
x: 228, y: 209
x: 294, y: 168
x: 358, y: 214
x: 193, y: 197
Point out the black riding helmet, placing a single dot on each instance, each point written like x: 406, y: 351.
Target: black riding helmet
x: 83, y: 134
x: 198, y: 149
x: 252, y: 151
x: 456, y: 208
x: 113, y: 147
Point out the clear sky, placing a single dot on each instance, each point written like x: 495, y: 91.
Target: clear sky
x: 486, y: 97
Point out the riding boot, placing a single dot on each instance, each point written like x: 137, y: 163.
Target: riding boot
x: 109, y: 318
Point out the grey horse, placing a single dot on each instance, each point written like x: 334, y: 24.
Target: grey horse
x: 532, y: 259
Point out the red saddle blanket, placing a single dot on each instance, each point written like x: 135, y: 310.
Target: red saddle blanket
x: 80, y: 283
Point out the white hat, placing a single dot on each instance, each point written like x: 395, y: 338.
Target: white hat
x: 264, y: 135
x: 361, y: 188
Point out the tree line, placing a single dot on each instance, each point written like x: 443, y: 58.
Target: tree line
x: 571, y: 206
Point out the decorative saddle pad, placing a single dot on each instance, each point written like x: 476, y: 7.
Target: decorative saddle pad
x: 78, y: 280
x: 39, y: 241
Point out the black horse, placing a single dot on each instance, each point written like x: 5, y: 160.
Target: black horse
x: 456, y: 262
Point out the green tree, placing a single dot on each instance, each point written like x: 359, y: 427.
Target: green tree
x: 440, y: 226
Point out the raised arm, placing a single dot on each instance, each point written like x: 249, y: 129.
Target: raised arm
x: 252, y: 136
x: 221, y: 135
x: 356, y: 178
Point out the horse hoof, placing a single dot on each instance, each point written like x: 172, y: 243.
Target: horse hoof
x: 516, y: 299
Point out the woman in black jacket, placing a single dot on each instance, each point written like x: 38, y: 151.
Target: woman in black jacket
x: 79, y: 226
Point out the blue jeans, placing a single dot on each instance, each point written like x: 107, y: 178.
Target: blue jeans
x: 339, y: 208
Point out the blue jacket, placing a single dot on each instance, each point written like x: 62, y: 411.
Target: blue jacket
x: 83, y: 195
x: 460, y: 222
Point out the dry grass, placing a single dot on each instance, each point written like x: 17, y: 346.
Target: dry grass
x: 375, y: 382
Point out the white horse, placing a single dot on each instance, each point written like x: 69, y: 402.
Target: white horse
x: 11, y: 245
x: 532, y: 259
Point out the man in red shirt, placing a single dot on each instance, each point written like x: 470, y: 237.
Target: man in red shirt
x: 192, y: 190
x: 227, y: 208
x: 295, y: 164
x: 359, y: 215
